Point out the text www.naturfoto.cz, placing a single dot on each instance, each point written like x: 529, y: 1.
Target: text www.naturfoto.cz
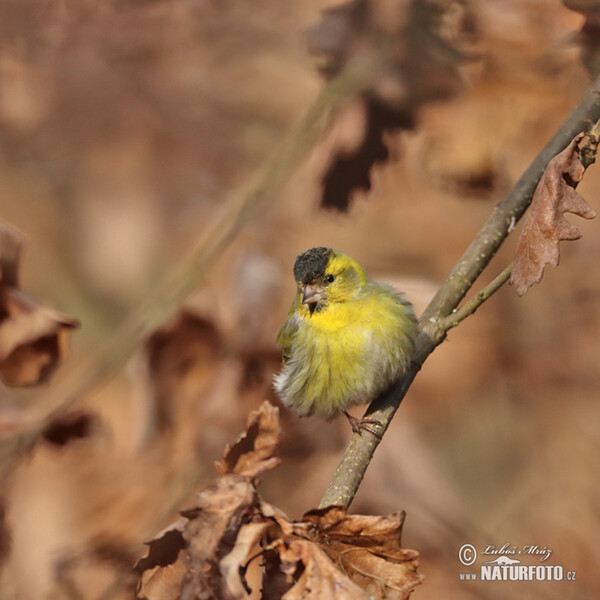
x: 518, y: 573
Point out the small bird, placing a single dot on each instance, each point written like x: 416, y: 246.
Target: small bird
x: 345, y: 340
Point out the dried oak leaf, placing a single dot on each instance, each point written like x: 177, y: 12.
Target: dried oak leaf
x: 217, y: 534
x: 253, y: 452
x: 163, y: 569
x: 300, y: 570
x: 367, y: 549
x: 546, y: 225
x: 185, y: 560
x: 33, y: 340
x: 231, y: 542
x: 427, y: 42
x: 211, y: 535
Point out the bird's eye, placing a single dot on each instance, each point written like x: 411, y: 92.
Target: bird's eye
x: 330, y: 278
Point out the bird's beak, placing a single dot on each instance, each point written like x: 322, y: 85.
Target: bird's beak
x: 311, y: 294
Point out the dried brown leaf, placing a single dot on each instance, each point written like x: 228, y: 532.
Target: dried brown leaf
x: 224, y: 526
x: 163, y: 583
x: 162, y: 570
x: 546, y: 225
x: 231, y: 537
x: 234, y: 565
x: 164, y: 549
x: 208, y: 533
x: 368, y: 550
x: 253, y: 452
x: 221, y: 511
x: 33, y: 340
x: 313, y: 574
x: 427, y: 41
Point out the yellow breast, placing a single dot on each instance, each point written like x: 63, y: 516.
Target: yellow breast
x: 345, y: 354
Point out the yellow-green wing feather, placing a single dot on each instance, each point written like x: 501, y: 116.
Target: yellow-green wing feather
x: 286, y: 334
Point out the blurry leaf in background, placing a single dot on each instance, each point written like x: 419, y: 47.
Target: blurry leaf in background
x: 4, y: 534
x: 325, y: 555
x: 427, y: 42
x: 182, y: 354
x: 73, y: 425
x: 589, y: 34
x: 33, y: 340
x: 546, y: 226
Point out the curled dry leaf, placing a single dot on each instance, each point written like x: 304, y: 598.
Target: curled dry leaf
x: 232, y: 545
x: 546, y: 225
x: 201, y: 556
x: 367, y: 549
x: 164, y: 568
x: 215, y: 533
x: 253, y: 452
x: 33, y: 340
x: 301, y: 570
x: 211, y: 534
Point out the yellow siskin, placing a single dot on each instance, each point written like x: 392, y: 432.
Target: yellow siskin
x: 346, y: 338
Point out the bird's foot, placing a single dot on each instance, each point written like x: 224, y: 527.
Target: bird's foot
x: 359, y: 425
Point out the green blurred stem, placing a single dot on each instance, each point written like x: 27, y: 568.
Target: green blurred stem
x: 438, y: 316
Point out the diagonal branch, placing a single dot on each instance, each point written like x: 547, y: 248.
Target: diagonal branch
x: 360, y: 449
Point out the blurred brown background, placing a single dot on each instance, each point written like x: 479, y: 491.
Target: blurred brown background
x: 127, y: 127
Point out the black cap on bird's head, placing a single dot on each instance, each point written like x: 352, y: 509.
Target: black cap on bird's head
x: 311, y: 264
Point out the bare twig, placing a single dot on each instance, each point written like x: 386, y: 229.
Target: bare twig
x: 468, y: 308
x: 360, y: 449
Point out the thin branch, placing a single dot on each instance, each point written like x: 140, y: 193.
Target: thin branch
x: 360, y: 449
x: 78, y: 379
x: 468, y: 308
